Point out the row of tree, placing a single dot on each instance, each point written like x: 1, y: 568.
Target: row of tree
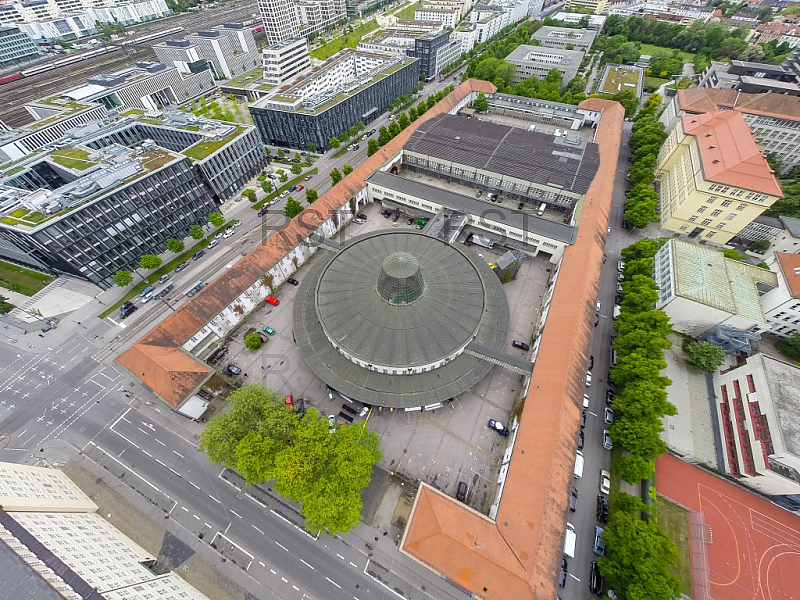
x: 645, y: 141
x: 345, y: 136
x: 641, y: 400
x: 322, y: 469
x: 124, y: 278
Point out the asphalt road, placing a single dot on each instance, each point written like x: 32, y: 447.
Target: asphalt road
x: 595, y: 456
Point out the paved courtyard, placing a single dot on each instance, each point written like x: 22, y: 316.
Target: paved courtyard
x: 441, y: 447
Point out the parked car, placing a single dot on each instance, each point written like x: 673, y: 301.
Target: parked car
x: 293, y: 188
x: 620, y: 265
x: 591, y: 361
x: 269, y: 330
x: 599, y: 547
x: 583, y: 419
x: 596, y: 319
x: 217, y: 355
x: 620, y: 277
x: 608, y: 416
x: 236, y: 223
x: 607, y: 443
x: 610, y: 397
x: 588, y: 379
x: 605, y: 482
x: 619, y: 287
x: 290, y: 400
x: 307, y: 178
x: 520, y: 345
x: 586, y: 401
x: 212, y: 244
x: 293, y: 281
x: 479, y: 193
x: 521, y: 206
x: 163, y: 278
x: 562, y: 577
x: 263, y: 210
x: 358, y: 221
x: 595, y: 579
x: 498, y: 427
x: 228, y: 233
x: 396, y: 216
x: 331, y: 423
x: 602, y: 508
x: 233, y: 370
x: 362, y: 216
x: 181, y: 267
x: 300, y: 188
x: 410, y: 222
x: 573, y: 500
x: 581, y: 439
x: 461, y: 492
x: 127, y: 310
x: 218, y: 235
x: 273, y: 300
x: 198, y: 255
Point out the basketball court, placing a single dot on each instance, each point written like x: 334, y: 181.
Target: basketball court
x: 743, y: 546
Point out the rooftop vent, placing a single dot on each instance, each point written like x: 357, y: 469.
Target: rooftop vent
x: 709, y: 134
x: 797, y: 270
x: 716, y: 160
x: 712, y: 146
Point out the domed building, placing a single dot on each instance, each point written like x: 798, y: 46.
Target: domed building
x: 401, y: 319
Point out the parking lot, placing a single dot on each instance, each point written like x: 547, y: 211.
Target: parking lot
x: 441, y: 447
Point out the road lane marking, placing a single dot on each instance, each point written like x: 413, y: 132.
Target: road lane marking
x: 273, y: 572
x: 214, y: 499
x: 262, y: 564
x: 196, y: 517
x: 142, y: 430
x: 297, y: 589
x: 178, y: 453
x: 146, y: 452
x: 258, y: 530
x: 123, y: 465
x: 194, y: 484
x: 184, y: 508
x: 285, y: 580
x: 306, y: 564
x: 278, y: 543
x: 333, y: 582
x: 162, y: 463
x: 340, y: 556
x: 352, y: 564
x: 159, y: 441
x: 235, y: 513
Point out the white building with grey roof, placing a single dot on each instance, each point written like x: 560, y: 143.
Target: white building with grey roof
x: 537, y: 61
x: 561, y: 37
x: 700, y: 289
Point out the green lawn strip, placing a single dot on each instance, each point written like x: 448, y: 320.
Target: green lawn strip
x: 349, y: 40
x: 285, y: 186
x: 649, y: 49
x: 674, y: 522
x: 654, y: 83
x: 164, y: 269
x: 616, y: 454
x: 341, y: 152
x: 22, y: 280
x: 408, y: 12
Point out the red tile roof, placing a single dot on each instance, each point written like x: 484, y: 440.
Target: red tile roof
x: 730, y: 153
x: 702, y: 99
x: 174, y: 331
x: 790, y: 265
x: 517, y: 556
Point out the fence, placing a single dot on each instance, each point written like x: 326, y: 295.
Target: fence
x: 700, y: 536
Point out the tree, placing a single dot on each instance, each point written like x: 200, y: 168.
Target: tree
x: 123, y: 278
x: 638, y: 555
x: 175, y: 246
x: 311, y: 196
x: 394, y: 129
x: 216, y: 219
x: 372, y: 146
x: 263, y: 439
x: 250, y: 194
x: 149, y: 261
x: 335, y: 142
x: 312, y: 147
x: 481, y: 103
x: 344, y: 136
x: 644, y: 248
x: 403, y: 121
x: 196, y: 232
x: 791, y: 347
x: 347, y: 169
x: 629, y: 101
x: 292, y: 208
x: 281, y: 153
x: 309, y: 160
x: 704, y: 356
x: 413, y: 115
x: 353, y: 131
x: 336, y: 176
x: 296, y: 169
x: 253, y: 341
x: 5, y: 305
x: 361, y: 126
x: 266, y: 185
x: 383, y: 136
x: 422, y: 108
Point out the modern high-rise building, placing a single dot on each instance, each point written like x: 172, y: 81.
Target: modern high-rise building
x: 285, y: 60
x: 280, y: 18
x: 713, y: 179
x: 16, y: 45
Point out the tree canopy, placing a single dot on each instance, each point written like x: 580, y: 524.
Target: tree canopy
x: 704, y: 356
x: 149, y: 261
x: 123, y: 278
x: 196, y: 232
x: 264, y: 440
x: 292, y: 208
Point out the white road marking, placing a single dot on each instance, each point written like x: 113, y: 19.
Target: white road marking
x: 262, y: 564
x: 194, y: 484
x: 184, y: 508
x: 278, y: 543
x: 273, y: 572
x: 258, y: 530
x: 214, y: 499
x: 333, y: 582
x: 196, y: 517
x: 284, y: 580
x: 235, y: 513
x: 178, y: 453
x: 340, y: 556
x: 131, y: 470
x: 352, y: 564
x: 306, y: 564
x: 159, y: 441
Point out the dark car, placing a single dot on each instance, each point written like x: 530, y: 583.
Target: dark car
x: 293, y: 281
x: 397, y: 216
x: 520, y: 345
x: 233, y: 370
x: 610, y: 397
x: 217, y: 355
x: 498, y: 427
x: 386, y: 214
x: 601, y: 511
x: 127, y: 309
x: 562, y: 578
x: 521, y: 206
x: 362, y: 216
x: 581, y: 439
x: 573, y: 500
x: 263, y: 210
x: 596, y: 319
x: 608, y: 379
x: 198, y: 255
x: 181, y: 267
x: 595, y: 579
x: 409, y: 221
x: 591, y: 361
x: 300, y: 407
x: 583, y: 419
x: 461, y: 493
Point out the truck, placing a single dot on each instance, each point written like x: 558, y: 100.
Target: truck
x: 480, y: 240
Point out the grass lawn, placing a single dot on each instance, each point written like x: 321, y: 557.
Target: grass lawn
x: 22, y: 280
x: 408, y: 12
x: 653, y: 83
x: 349, y: 40
x: 672, y: 519
x: 72, y: 158
x: 618, y: 74
x: 649, y: 49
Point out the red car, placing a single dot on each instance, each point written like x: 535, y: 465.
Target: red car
x: 290, y: 400
x: 300, y: 187
x: 273, y: 300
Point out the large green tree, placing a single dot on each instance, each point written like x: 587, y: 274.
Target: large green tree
x: 347, y: 169
x: 324, y: 472
x: 216, y: 219
x: 372, y: 146
x: 149, y: 261
x: 638, y: 555
x: 174, y: 245
x: 123, y: 278
x: 481, y: 104
x: 292, y: 208
x: 704, y: 356
x: 196, y: 232
x: 383, y: 136
x: 311, y: 195
x: 253, y: 341
x: 336, y: 176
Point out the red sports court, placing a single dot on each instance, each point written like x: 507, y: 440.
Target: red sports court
x: 743, y: 546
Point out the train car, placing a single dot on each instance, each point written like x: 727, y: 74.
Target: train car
x: 10, y: 78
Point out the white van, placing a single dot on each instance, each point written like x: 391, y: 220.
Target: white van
x: 569, y: 541
x: 578, y: 472
x: 616, y: 311
x: 540, y: 212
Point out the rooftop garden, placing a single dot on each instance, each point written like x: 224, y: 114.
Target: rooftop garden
x: 23, y: 216
x: 246, y: 79
x: 72, y: 158
x: 349, y: 40
x: 202, y: 150
x: 131, y: 112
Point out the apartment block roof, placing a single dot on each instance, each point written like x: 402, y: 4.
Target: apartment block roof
x: 174, y: 377
x: 703, y: 99
x: 790, y: 268
x: 565, y: 162
x: 706, y: 276
x: 730, y: 153
x: 517, y: 555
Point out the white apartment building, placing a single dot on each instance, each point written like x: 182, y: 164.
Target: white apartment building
x: 466, y: 35
x: 285, y: 60
x: 757, y: 403
x: 488, y: 23
x: 49, y: 523
x: 659, y: 7
x: 448, y: 17
x: 537, y: 61
x: 280, y: 18
x: 596, y: 22
x: 15, y: 11
x: 67, y: 28
x: 130, y: 13
x: 782, y: 305
x: 56, y: 17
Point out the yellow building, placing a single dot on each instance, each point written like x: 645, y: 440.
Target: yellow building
x: 713, y: 178
x: 599, y: 7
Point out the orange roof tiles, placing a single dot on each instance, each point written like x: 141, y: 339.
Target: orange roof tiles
x: 517, y: 556
x: 167, y: 370
x: 730, y: 153
x: 148, y: 355
x: 703, y: 99
x: 790, y: 265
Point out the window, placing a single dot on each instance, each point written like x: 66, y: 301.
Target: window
x: 692, y: 219
x: 721, y: 226
x: 730, y: 217
x: 741, y: 207
x: 684, y: 227
x: 716, y: 213
x: 712, y: 200
x: 710, y: 234
x: 702, y: 209
x: 726, y: 203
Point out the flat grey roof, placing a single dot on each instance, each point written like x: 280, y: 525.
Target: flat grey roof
x: 527, y: 222
x: 540, y: 158
x: 382, y: 389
